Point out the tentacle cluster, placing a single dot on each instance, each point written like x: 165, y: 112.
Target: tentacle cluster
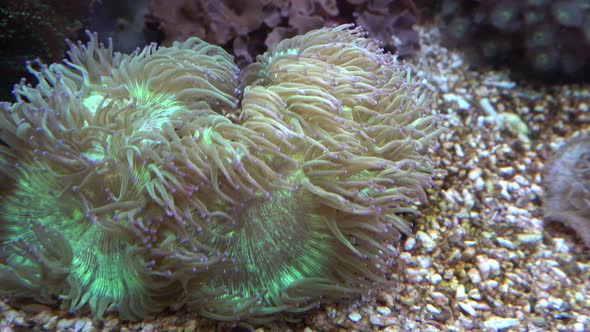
x: 126, y: 188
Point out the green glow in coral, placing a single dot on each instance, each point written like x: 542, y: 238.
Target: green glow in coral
x: 92, y: 101
x: 271, y: 262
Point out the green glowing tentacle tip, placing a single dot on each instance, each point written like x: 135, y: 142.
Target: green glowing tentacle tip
x: 126, y: 188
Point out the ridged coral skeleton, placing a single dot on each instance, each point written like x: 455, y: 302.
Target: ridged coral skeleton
x: 127, y: 188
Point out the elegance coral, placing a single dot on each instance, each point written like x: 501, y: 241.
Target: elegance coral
x: 127, y: 188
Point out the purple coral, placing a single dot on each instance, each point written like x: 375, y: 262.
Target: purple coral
x: 249, y: 27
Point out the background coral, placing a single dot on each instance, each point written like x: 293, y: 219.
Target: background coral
x: 38, y: 29
x: 248, y: 28
x: 35, y: 28
x: 123, y: 21
x: 566, y: 184
x: 538, y: 38
x: 153, y: 199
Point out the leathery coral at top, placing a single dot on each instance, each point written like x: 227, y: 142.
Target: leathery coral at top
x: 127, y: 188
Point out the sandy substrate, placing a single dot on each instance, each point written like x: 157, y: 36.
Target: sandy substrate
x: 481, y: 257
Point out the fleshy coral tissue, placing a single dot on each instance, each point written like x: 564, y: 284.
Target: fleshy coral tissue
x: 127, y: 187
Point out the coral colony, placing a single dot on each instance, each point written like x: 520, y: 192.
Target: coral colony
x: 249, y: 25
x: 548, y: 39
x: 127, y: 188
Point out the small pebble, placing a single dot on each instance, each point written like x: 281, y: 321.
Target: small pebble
x: 507, y: 171
x: 506, y: 243
x: 51, y: 323
x: 435, y: 279
x: 474, y: 174
x: 487, y: 107
x: 479, y: 305
x: 474, y: 294
x: 424, y: 261
x: 410, y: 244
x: 439, y: 298
x: 474, y: 276
x: 479, y: 184
x: 489, y: 284
x: 459, y: 151
x: 460, y: 294
x: 355, y: 316
x: 65, y: 324
x: 42, y: 317
x: 385, y: 311
x: 433, y: 309
x: 427, y: 242
x: 461, y: 102
x: 496, y: 323
x: 468, y: 309
x: 530, y: 238
x: 579, y: 327
x: 379, y: 320
x: 10, y: 315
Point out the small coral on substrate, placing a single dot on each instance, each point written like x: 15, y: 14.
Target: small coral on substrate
x: 537, y: 38
x: 126, y: 188
x: 566, y: 183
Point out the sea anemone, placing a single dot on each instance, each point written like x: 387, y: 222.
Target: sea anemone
x: 128, y: 188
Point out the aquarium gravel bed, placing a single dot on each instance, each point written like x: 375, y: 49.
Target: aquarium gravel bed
x: 480, y: 257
